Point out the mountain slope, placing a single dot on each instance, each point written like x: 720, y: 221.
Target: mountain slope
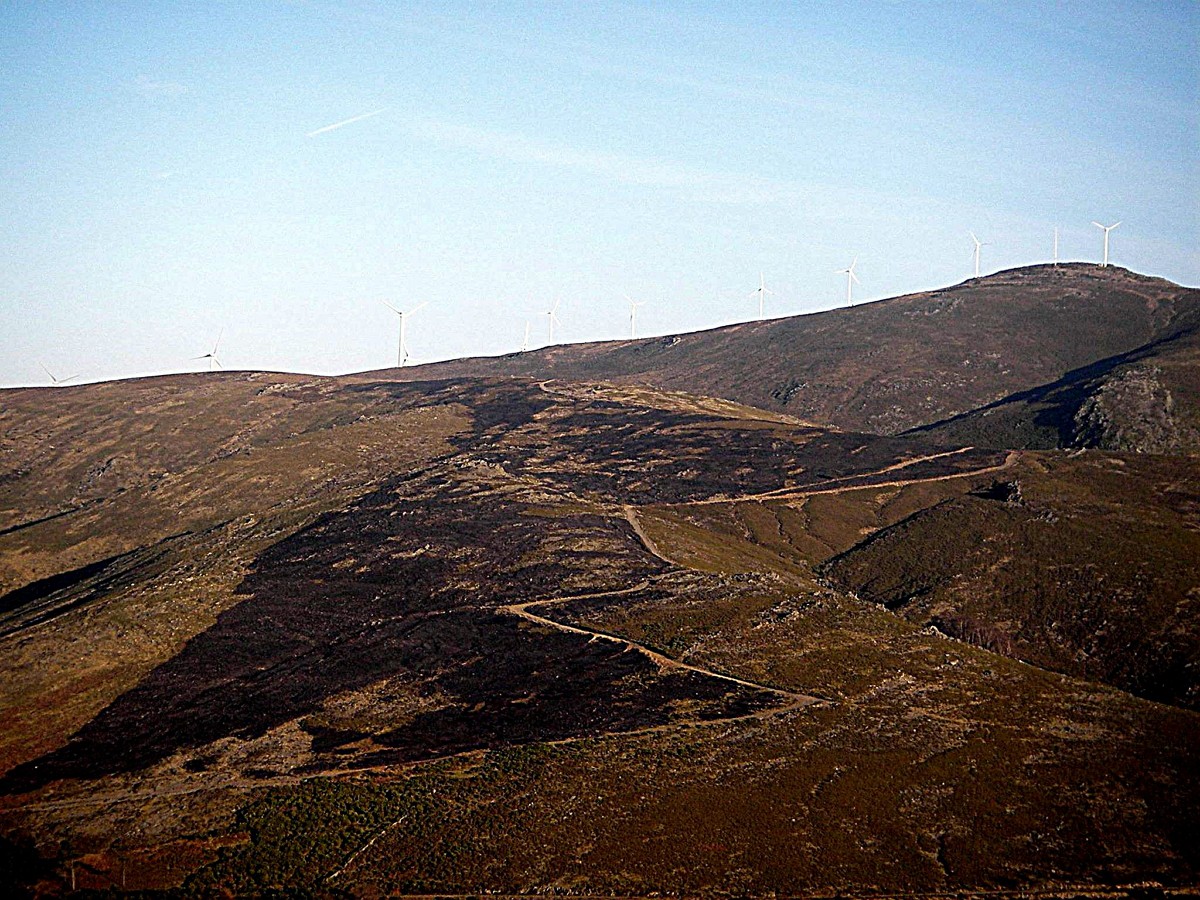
x: 1145, y: 401
x: 362, y: 637
x: 558, y: 635
x: 1084, y: 564
x: 892, y: 365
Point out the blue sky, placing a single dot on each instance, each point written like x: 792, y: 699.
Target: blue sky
x: 162, y: 180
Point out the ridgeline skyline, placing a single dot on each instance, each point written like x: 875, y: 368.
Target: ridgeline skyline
x: 268, y: 174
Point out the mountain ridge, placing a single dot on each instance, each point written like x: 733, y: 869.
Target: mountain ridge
x: 534, y: 635
x: 890, y: 365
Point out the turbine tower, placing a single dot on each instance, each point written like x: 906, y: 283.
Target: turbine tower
x: 211, y: 356
x: 762, y: 292
x: 1056, y: 246
x: 633, y: 308
x: 55, y: 382
x: 525, y: 343
x: 402, y: 348
x: 978, y: 244
x: 551, y: 318
x: 850, y: 279
x: 1106, y: 229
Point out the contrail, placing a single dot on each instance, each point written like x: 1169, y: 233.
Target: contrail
x: 345, y: 122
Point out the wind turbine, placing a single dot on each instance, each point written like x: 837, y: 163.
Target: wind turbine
x: 551, y: 318
x: 633, y: 308
x: 850, y: 279
x: 1106, y: 229
x: 978, y: 244
x: 1056, y: 246
x: 762, y: 292
x: 55, y: 382
x: 402, y: 348
x: 525, y: 343
x: 211, y: 356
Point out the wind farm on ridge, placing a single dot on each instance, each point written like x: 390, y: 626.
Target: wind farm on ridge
x: 407, y: 491
x: 403, y: 356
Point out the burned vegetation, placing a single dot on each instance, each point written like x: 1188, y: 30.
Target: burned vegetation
x: 518, y: 635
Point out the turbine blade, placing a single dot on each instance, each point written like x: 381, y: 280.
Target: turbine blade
x: 48, y: 372
x: 855, y: 277
x: 392, y: 308
x: 415, y: 308
x: 1114, y: 225
x: 1097, y: 224
x: 218, y: 343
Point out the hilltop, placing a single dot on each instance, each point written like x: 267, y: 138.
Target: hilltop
x: 546, y: 636
x: 903, y: 363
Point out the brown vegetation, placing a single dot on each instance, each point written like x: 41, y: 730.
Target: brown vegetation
x: 897, y: 364
x: 360, y: 637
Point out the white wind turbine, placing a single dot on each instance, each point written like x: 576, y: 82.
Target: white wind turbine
x: 850, y: 279
x: 761, y: 291
x: 551, y: 318
x: 55, y: 382
x: 211, y: 355
x: 978, y: 244
x: 402, y: 347
x: 525, y: 343
x: 633, y: 308
x: 1056, y: 246
x: 1106, y: 229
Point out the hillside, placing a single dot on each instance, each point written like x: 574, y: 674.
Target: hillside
x: 893, y: 365
x: 359, y: 636
x: 1145, y: 401
x: 1084, y: 564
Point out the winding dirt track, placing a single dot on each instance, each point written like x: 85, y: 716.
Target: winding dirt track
x: 793, y: 700
x: 664, y: 663
x: 838, y: 486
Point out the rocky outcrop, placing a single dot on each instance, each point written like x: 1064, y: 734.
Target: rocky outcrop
x: 1133, y: 411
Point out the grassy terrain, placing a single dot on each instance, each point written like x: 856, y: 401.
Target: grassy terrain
x: 358, y: 637
x: 1091, y: 570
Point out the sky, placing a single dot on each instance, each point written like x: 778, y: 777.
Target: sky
x: 267, y: 173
